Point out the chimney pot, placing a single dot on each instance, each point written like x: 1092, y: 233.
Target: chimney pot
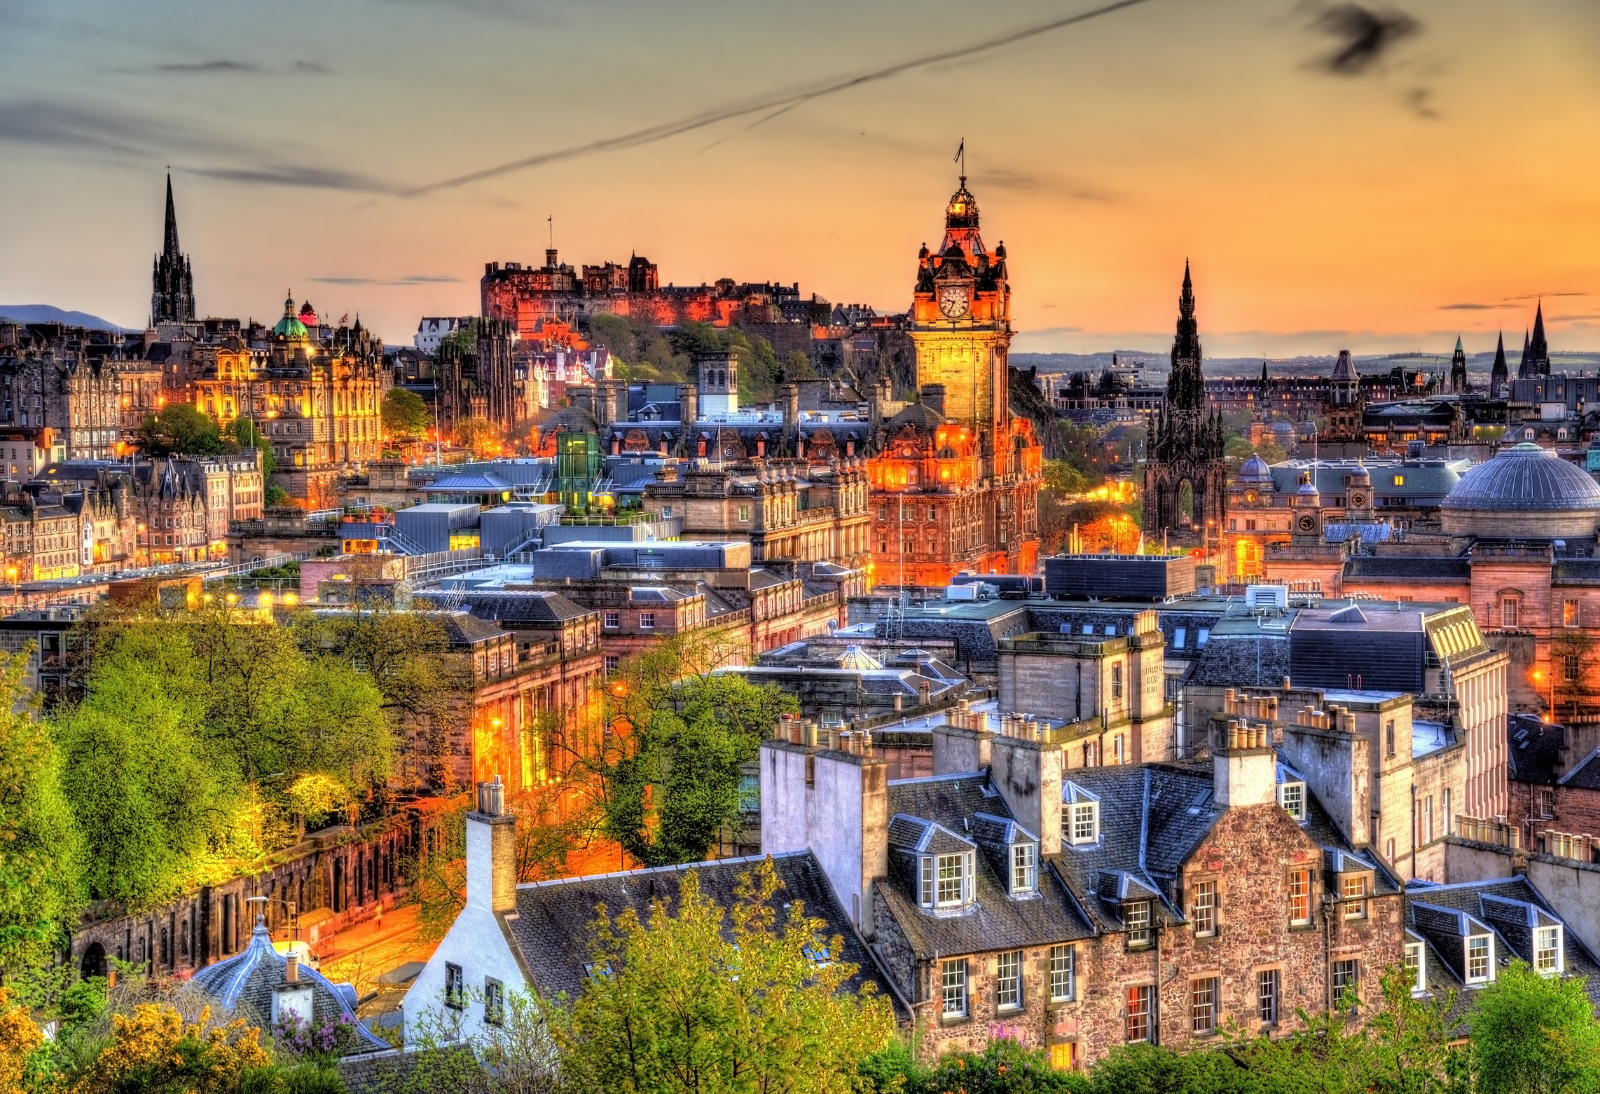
x: 292, y: 973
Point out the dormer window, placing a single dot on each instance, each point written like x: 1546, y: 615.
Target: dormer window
x: 1480, y: 958
x: 1024, y: 868
x: 1292, y: 796
x: 1416, y: 960
x: 1080, y: 816
x: 1137, y: 918
x: 947, y: 880
x: 1353, y: 891
x: 1547, y: 951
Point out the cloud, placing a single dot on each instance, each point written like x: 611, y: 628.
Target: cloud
x: 314, y: 67
x: 1363, y: 36
x: 1471, y: 307
x: 410, y: 279
x: 209, y: 66
x: 770, y: 105
x: 316, y: 178
x: 34, y: 121
x: 1545, y: 295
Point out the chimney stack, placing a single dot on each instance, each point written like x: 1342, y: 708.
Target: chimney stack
x: 933, y: 396
x: 688, y: 404
x: 1245, y: 768
x: 1028, y: 774
x: 491, y: 851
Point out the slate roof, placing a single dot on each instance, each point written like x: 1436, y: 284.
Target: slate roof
x: 244, y: 982
x: 480, y: 482
x: 511, y: 609
x: 463, y: 628
x: 1509, y: 908
x: 1243, y: 660
x: 1585, y: 774
x: 552, y: 923
x: 949, y: 807
x: 1524, y: 478
x: 1533, y: 750
x: 1410, y: 568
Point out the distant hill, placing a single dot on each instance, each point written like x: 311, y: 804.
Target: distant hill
x: 48, y: 313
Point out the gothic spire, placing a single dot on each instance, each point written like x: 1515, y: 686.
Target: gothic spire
x: 1186, y: 386
x: 1186, y: 299
x: 1539, y: 347
x: 170, y: 244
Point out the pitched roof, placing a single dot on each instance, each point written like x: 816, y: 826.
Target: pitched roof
x: 511, y: 609
x: 552, y: 924
x: 1533, y: 751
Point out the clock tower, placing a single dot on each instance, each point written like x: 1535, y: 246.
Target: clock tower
x: 961, y: 325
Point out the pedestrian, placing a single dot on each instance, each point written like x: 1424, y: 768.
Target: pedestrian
x: 377, y: 918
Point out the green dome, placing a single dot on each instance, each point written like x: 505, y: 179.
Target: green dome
x: 290, y: 327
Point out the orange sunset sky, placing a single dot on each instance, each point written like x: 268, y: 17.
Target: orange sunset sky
x: 1438, y: 189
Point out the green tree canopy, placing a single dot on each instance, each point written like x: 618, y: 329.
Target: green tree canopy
x: 698, y: 998
x: 180, y: 429
x: 41, y: 849
x: 1533, y: 1034
x: 405, y: 415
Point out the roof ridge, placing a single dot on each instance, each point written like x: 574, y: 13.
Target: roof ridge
x: 675, y: 867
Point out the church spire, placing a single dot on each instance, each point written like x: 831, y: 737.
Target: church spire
x: 1497, y: 374
x: 1539, y: 348
x: 170, y: 243
x: 1186, y: 387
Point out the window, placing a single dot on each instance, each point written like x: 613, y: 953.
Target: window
x: 1088, y: 628
x: 1085, y: 822
x: 1008, y: 981
x: 1178, y: 636
x: 883, y: 512
x: 1508, y: 611
x: 1249, y: 525
x: 1547, y: 949
x: 611, y: 663
x: 1137, y: 917
x: 1569, y: 613
x: 1064, y: 1055
x: 1547, y: 803
x: 666, y: 510
x: 1299, y: 897
x: 1063, y: 973
x: 1480, y: 953
x: 613, y: 619
x: 1204, y: 912
x: 1267, y: 996
x: 1292, y: 796
x: 454, y: 986
x: 1203, y: 1005
x: 1444, y: 813
x: 1138, y: 1027
x: 927, y: 881
x: 1345, y: 978
x: 1569, y: 667
x: 1353, y: 891
x: 1388, y: 738
x: 1024, y: 868
x: 952, y: 880
x: 1399, y: 480
x: 954, y: 979
x: 647, y: 621
x: 494, y: 1002
x: 744, y: 514
x: 1202, y: 638
x: 1116, y: 683
x: 1415, y: 962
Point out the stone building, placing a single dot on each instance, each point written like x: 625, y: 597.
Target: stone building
x: 1076, y: 910
x: 1110, y: 690
x: 1185, y: 477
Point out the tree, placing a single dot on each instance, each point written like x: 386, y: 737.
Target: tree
x: 156, y: 1051
x: 666, y: 779
x: 479, y: 436
x: 1003, y: 1067
x: 696, y: 997
x: 1534, y: 1034
x: 797, y: 366
x: 405, y: 415
x: 41, y: 849
x: 244, y: 434
x: 182, y: 430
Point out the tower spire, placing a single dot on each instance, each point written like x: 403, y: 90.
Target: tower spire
x: 170, y: 242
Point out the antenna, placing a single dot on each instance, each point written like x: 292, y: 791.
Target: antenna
x: 551, y: 219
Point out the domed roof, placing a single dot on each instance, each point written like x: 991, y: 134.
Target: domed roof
x: 290, y: 327
x: 233, y: 344
x: 1255, y: 472
x: 1525, y: 478
x: 570, y: 419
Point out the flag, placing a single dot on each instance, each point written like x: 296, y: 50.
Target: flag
x: 960, y: 150
x: 343, y: 319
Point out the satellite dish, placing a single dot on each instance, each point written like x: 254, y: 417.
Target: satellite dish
x: 833, y: 625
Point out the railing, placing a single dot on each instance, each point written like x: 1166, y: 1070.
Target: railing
x: 621, y: 520
x: 1488, y: 831
x: 249, y: 567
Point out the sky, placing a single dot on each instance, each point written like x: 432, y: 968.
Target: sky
x: 1378, y: 178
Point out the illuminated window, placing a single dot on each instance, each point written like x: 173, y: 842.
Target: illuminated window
x: 1064, y: 1055
x: 1138, y: 1023
x: 1569, y: 613
x: 1299, y: 897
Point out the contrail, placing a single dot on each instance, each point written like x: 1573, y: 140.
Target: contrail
x: 783, y: 100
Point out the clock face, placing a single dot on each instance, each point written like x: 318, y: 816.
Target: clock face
x: 1308, y: 523
x: 953, y: 302
x: 1358, y: 500
x: 1249, y: 495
